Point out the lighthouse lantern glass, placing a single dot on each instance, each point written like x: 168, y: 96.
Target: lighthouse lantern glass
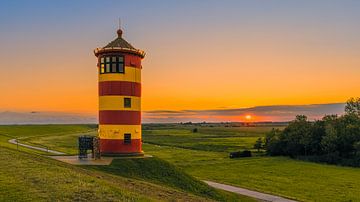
x: 113, y: 67
x: 112, y: 64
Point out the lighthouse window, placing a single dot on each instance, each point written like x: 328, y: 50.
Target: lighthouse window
x: 120, y: 61
x: 107, y: 68
x: 102, y: 69
x: 127, y: 102
x: 127, y: 138
x: 112, y: 64
x: 121, y: 68
x: 113, y: 67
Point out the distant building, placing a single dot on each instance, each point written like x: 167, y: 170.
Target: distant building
x: 119, y: 67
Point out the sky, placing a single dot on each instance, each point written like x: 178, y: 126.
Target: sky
x: 201, y: 55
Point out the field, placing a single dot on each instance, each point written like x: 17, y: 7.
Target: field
x: 204, y: 155
x: 28, y: 176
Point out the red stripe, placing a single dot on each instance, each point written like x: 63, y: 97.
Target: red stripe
x: 119, y: 88
x: 118, y: 146
x: 119, y: 117
x: 130, y: 59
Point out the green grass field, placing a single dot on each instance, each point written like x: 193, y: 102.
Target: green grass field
x: 221, y: 139
x: 282, y: 176
x: 204, y: 155
x: 123, y: 180
x: 29, y: 177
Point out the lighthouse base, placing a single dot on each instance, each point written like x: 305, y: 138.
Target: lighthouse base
x: 117, y: 147
x: 135, y: 154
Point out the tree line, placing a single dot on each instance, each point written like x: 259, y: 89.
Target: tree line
x: 333, y: 139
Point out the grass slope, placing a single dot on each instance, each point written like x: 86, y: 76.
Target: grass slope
x: 56, y: 137
x: 29, y: 177
x: 170, y: 182
x: 281, y: 176
x: 161, y: 172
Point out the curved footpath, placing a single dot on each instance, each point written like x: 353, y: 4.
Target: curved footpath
x: 247, y: 192
x: 14, y: 141
x: 237, y: 190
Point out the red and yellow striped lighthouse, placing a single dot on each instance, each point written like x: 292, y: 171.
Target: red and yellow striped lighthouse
x: 119, y: 67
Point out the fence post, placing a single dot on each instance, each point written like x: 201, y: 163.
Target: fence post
x: 17, y: 144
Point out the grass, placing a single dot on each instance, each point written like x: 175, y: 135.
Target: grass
x: 204, y: 155
x: 27, y: 177
x: 55, y: 137
x: 290, y: 178
x: 155, y: 178
x: 161, y: 172
x: 221, y: 139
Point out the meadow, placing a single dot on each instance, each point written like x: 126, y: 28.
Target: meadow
x: 204, y: 155
x: 28, y: 176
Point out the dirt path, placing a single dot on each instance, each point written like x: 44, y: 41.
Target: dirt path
x: 247, y: 192
x: 13, y: 141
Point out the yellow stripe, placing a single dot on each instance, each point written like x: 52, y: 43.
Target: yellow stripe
x: 131, y: 74
x: 117, y: 131
x: 117, y: 103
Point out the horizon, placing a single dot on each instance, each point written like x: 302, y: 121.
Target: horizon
x: 221, y: 56
x: 258, y: 114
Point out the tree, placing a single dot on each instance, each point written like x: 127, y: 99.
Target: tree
x: 353, y: 106
x: 258, y: 144
x: 297, y: 136
x: 357, y: 148
x: 274, y: 143
x: 330, y: 140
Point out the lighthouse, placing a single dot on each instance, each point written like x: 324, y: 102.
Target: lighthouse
x: 119, y: 80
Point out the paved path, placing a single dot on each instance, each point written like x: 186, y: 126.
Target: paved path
x: 13, y: 141
x: 238, y: 190
x: 246, y: 192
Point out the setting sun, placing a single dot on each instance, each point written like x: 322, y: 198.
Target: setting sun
x: 248, y: 117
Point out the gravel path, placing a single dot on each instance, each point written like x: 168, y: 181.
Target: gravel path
x: 13, y: 141
x: 247, y: 192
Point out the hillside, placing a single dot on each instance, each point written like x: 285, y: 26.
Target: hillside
x: 29, y: 177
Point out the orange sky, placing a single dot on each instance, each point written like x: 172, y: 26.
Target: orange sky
x: 192, y: 64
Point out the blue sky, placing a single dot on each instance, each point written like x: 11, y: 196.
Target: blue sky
x: 201, y: 55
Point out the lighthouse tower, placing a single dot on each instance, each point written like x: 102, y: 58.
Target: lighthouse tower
x: 119, y: 71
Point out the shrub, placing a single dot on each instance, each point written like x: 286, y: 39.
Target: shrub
x: 240, y: 154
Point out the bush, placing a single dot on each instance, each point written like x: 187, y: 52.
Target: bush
x: 240, y: 154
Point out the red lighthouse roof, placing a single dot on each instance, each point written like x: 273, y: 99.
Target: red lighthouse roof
x: 119, y: 45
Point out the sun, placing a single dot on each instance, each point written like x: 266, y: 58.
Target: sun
x: 248, y: 117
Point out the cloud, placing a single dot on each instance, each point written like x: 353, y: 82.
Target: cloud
x: 260, y: 113
x: 8, y: 117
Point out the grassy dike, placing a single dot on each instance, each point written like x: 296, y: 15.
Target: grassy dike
x: 27, y: 176
x: 161, y: 172
x: 30, y: 177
